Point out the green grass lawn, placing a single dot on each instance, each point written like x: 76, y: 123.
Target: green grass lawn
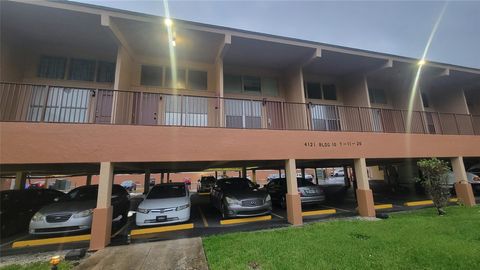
x: 37, y: 266
x: 415, y: 240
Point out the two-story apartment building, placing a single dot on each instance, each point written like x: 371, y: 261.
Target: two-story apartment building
x: 88, y: 90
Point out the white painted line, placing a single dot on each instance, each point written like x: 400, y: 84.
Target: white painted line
x: 277, y: 215
x: 205, y: 223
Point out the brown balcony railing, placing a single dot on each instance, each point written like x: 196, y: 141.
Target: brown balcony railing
x: 41, y: 103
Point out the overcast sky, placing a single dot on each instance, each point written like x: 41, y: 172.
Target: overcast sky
x: 400, y: 28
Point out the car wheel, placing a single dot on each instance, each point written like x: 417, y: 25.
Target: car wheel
x: 283, y: 202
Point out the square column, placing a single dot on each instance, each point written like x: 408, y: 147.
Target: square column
x: 102, y: 215
x: 89, y: 180
x: 294, y: 204
x: 462, y: 187
x: 146, y: 182
x: 254, y: 176
x: 20, y: 180
x: 365, y: 202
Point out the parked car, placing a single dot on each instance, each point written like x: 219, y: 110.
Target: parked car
x: 164, y: 204
x: 308, y: 191
x: 206, y: 183
x: 473, y: 179
x: 129, y: 185
x: 74, y: 213
x: 18, y: 207
x: 239, y: 197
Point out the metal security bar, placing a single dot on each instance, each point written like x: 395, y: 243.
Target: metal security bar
x: 43, y: 103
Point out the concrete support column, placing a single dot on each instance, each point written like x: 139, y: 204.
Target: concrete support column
x: 244, y: 172
x: 216, y: 175
x: 366, y: 206
x: 168, y: 177
x: 102, y: 215
x: 462, y: 187
x: 162, y: 178
x: 303, y: 173
x: 294, y: 205
x: 316, y: 176
x: 254, y: 176
x: 89, y: 180
x: 146, y: 184
x: 20, y: 180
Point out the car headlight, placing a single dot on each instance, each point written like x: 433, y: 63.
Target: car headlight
x: 143, y: 211
x: 84, y: 213
x: 38, y: 217
x: 181, y: 207
x: 268, y: 198
x: 232, y: 200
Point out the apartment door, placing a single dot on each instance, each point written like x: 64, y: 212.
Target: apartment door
x: 145, y: 108
x: 274, y: 113
x: 103, y: 107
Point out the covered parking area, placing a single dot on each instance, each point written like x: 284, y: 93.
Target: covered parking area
x: 353, y: 197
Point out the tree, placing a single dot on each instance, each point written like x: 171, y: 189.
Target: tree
x: 434, y: 180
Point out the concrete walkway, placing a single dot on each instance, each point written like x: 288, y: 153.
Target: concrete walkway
x: 172, y: 254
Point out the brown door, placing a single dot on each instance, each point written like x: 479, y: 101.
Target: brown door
x: 274, y: 113
x: 103, y: 109
x: 146, y: 108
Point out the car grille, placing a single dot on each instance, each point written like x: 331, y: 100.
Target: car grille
x: 58, y: 218
x: 252, y: 212
x: 58, y: 229
x: 252, y: 202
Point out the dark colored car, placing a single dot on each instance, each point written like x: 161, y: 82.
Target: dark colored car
x: 308, y: 191
x: 129, y: 185
x: 74, y: 213
x: 206, y: 183
x: 239, y: 197
x: 18, y: 207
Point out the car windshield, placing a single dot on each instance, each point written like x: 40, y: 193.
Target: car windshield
x: 236, y: 184
x: 84, y: 193
x: 208, y: 180
x: 167, y: 191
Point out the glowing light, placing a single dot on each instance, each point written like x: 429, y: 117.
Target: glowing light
x: 171, y: 44
x: 174, y: 43
x: 421, y: 64
x: 168, y: 22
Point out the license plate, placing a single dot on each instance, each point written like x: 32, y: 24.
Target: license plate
x: 310, y: 191
x: 161, y: 218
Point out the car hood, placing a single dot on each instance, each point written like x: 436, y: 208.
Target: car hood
x: 163, y: 203
x: 68, y: 207
x: 243, y: 194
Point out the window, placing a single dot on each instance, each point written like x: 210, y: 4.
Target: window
x: 151, y: 75
x: 197, y: 79
x: 186, y: 111
x: 329, y: 92
x: 325, y: 117
x: 243, y: 114
x: 270, y: 87
x: 251, y: 84
x: 82, y: 70
x: 425, y: 100
x: 106, y: 71
x: 52, y: 67
x: 232, y: 83
x: 314, y: 90
x: 181, y: 78
x: 377, y: 96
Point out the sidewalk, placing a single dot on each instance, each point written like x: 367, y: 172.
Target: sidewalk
x: 172, y: 254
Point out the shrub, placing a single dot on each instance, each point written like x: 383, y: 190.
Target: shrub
x: 434, y: 180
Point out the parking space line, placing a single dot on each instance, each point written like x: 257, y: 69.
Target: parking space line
x: 244, y: 220
x: 277, y: 215
x: 205, y: 223
x: 419, y: 203
x: 383, y: 206
x: 162, y: 229
x: 50, y: 241
x: 453, y: 200
x: 319, y: 212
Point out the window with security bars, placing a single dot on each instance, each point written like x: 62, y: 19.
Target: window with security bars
x: 186, y: 111
x: 243, y: 114
x: 52, y: 67
x: 325, y: 117
x: 60, y: 105
x: 82, y: 70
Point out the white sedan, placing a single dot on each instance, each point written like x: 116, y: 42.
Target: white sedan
x: 164, y: 204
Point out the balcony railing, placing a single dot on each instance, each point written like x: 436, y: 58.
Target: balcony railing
x: 41, y: 103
